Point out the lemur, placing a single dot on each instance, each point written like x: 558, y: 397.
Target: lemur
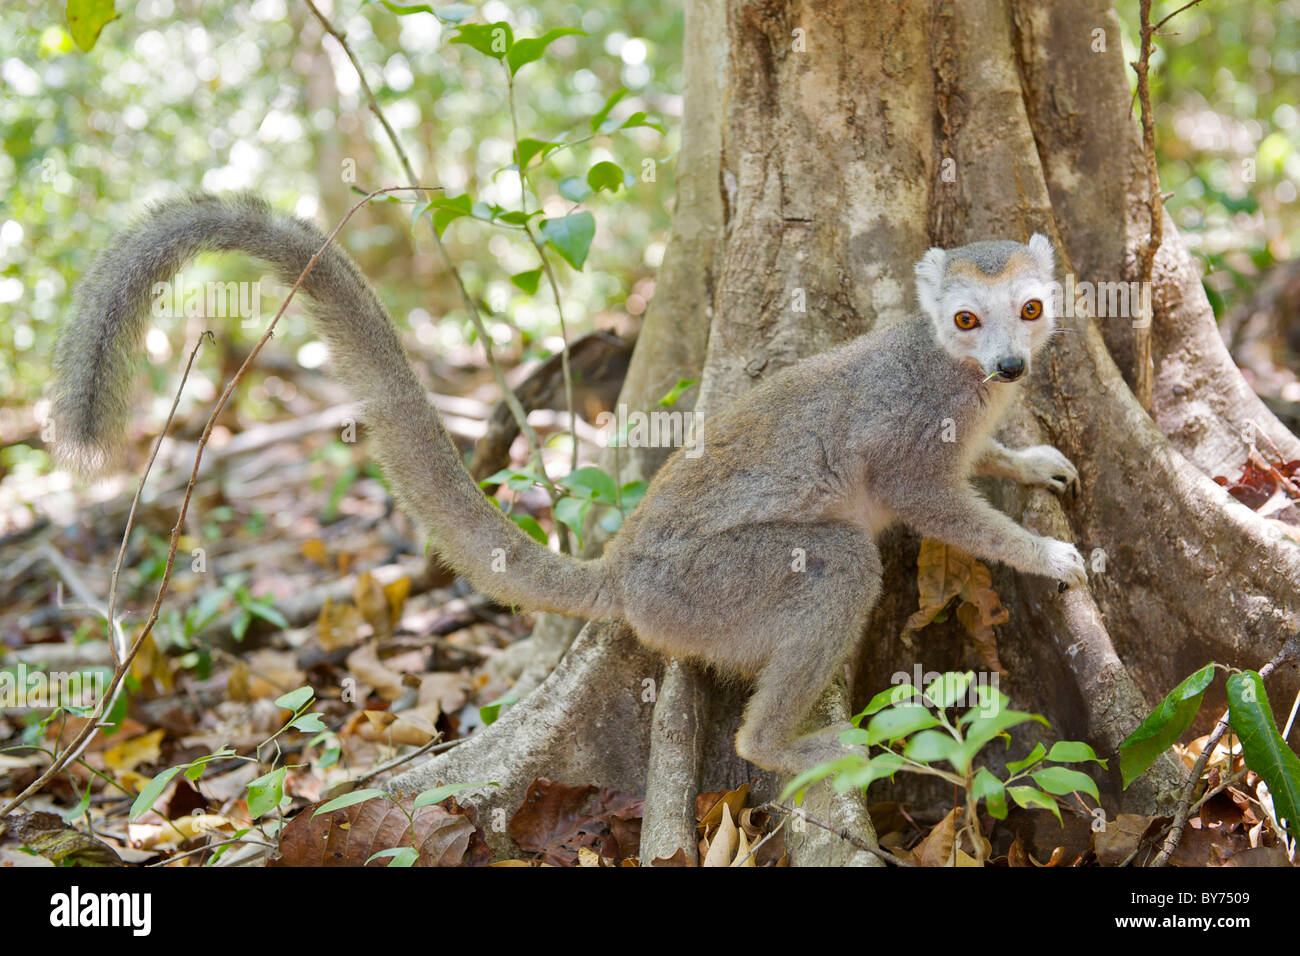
x: 757, y: 557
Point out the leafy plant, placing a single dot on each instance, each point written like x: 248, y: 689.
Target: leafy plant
x: 912, y: 731
x: 1264, y: 749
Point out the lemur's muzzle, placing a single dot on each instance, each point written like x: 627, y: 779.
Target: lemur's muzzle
x: 1009, y: 369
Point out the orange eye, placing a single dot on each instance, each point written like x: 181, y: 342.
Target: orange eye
x: 1031, y: 310
x: 966, y: 321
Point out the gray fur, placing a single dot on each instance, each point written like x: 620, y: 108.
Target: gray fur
x: 757, y: 556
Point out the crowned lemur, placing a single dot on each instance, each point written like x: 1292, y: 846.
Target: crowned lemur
x: 758, y: 556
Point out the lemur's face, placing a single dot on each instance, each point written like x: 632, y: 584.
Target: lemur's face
x: 990, y: 303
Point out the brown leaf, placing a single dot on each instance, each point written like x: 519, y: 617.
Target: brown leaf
x: 1121, y: 837
x: 708, y: 806
x: 941, y: 573
x: 554, y: 821
x: 351, y: 835
x: 313, y: 549
x: 722, y: 846
x: 369, y: 596
x: 938, y: 846
x: 677, y: 859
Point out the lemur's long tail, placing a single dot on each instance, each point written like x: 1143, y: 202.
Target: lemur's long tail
x: 99, y: 348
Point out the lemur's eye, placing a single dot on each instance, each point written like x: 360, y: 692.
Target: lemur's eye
x: 1031, y: 310
x: 966, y: 321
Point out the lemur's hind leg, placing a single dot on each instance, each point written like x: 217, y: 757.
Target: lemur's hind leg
x: 825, y: 622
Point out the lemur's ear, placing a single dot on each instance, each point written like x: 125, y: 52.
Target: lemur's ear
x: 929, y: 279
x: 1040, y: 247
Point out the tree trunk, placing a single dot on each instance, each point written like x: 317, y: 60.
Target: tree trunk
x: 825, y: 147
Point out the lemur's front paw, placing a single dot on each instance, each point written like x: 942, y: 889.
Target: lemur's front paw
x: 1044, y: 465
x: 1064, y: 562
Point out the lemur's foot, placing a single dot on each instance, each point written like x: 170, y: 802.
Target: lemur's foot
x: 1044, y: 465
x: 1064, y: 563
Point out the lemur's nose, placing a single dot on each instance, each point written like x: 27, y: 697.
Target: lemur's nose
x: 1010, y: 369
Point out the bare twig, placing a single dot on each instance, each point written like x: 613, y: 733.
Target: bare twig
x: 93, y: 725
x: 546, y: 267
x: 1287, y: 653
x: 507, y: 393
x: 854, y: 841
x: 139, y: 488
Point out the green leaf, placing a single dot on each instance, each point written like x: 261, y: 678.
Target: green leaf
x: 86, y: 18
x: 490, y: 39
x: 438, y: 794
x: 265, y: 792
x: 308, y: 723
x: 513, y: 478
x: 572, y: 512
x: 401, y: 856
x: 981, y: 728
x: 239, y: 626
x: 195, y: 768
x: 451, y: 13
x: 1164, y: 726
x: 610, y: 103
x: 949, y: 688
x: 446, y: 210
x: 605, y: 175
x: 595, y: 482
x: 1063, y: 780
x: 867, y: 773
x: 674, y: 393
x: 886, y: 698
x: 348, y: 800
x: 800, y: 784
x: 528, y: 148
x: 151, y: 792
x: 294, y: 699
x: 929, y: 746
x: 527, y: 281
x: 991, y: 790
x: 1072, y: 751
x: 632, y: 493
x: 531, y: 528
x: 530, y: 49
x: 1035, y: 755
x: 489, y: 713
x: 1029, y: 799
x: 639, y: 119
x: 1266, y: 751
x: 571, y: 236
x: 899, y: 721
x: 574, y: 189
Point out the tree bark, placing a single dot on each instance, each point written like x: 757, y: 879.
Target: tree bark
x: 825, y: 147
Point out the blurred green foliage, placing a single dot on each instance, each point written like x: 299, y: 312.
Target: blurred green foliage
x: 1225, y: 88
x: 178, y: 94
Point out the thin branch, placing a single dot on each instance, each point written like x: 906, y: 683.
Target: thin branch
x: 855, y: 841
x: 507, y: 393
x: 546, y: 267
x: 93, y: 725
x: 1144, y: 372
x: 1287, y: 653
x: 139, y: 488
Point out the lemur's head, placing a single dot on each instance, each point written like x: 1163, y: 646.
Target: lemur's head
x: 990, y: 302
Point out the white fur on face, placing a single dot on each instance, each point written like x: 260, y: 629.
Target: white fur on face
x: 996, y: 300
